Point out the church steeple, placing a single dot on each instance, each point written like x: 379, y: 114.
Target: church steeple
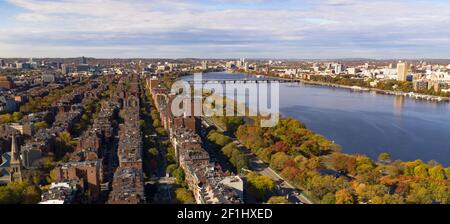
x: 16, y: 162
x: 15, y: 156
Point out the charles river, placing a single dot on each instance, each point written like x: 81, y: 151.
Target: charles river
x: 366, y: 122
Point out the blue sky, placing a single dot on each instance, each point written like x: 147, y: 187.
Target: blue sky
x: 225, y: 28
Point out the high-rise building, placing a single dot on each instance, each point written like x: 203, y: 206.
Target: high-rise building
x: 2, y: 63
x: 83, y: 60
x: 402, y: 71
x: 65, y: 69
x: 338, y: 68
x: 205, y: 65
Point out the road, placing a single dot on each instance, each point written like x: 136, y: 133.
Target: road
x: 256, y: 164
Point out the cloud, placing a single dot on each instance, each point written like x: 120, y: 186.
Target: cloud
x: 228, y: 27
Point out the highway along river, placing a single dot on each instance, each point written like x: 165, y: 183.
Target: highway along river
x: 366, y: 122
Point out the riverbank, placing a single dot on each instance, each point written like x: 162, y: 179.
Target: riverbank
x: 381, y: 91
x: 412, y: 95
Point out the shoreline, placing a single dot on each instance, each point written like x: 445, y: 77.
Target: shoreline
x: 412, y: 95
x: 416, y: 96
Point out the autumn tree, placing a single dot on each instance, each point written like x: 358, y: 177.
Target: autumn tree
x: 260, y: 186
x: 384, y: 157
x: 278, y: 200
x: 344, y: 196
x: 184, y: 196
x: 278, y: 160
x: 437, y: 172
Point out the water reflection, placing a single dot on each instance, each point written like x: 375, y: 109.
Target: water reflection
x: 399, y: 102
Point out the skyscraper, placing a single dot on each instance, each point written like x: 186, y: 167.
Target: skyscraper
x: 338, y: 68
x: 65, y: 69
x: 204, y: 65
x: 83, y: 60
x: 402, y: 71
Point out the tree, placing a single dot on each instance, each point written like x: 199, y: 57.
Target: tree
x: 419, y: 195
x: 366, y: 192
x: 447, y: 172
x: 171, y: 168
x: 6, y: 118
x: 153, y: 152
x: 41, y: 125
x: 280, y: 147
x: 364, y: 164
x: 219, y: 139
x: 260, y: 186
x: 344, y: 196
x: 410, y: 166
x: 384, y: 157
x: 442, y: 194
x: 310, y: 148
x: 278, y: 160
x: 179, y: 175
x: 328, y: 199
x: 16, y: 116
x: 184, y: 196
x: 388, y: 199
x: 265, y: 155
x: 19, y: 193
x: 64, y: 144
x: 421, y: 171
x: 228, y: 149
x: 156, y: 123
x: 278, y: 200
x: 343, y: 163
x: 239, y: 160
x: 437, y: 172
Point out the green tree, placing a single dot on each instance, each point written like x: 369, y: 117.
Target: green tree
x: 171, y: 168
x: 260, y: 186
x: 16, y: 116
x: 219, y: 139
x: 156, y: 123
x: 41, y: 125
x: 364, y: 164
x: 6, y: 118
x: 384, y: 157
x: 278, y: 160
x: 153, y: 152
x: 421, y: 171
x: 179, y: 175
x: 437, y: 172
x: 19, y: 193
x: 447, y: 172
x: 278, y: 200
x: 344, y: 196
x: 328, y: 199
x: 419, y: 195
x: 184, y: 196
x: 310, y: 148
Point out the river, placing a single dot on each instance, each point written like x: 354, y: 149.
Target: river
x: 366, y: 122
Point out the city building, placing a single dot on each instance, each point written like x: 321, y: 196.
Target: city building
x: 6, y: 82
x: 402, y: 71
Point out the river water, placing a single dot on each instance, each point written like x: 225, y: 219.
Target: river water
x: 366, y: 122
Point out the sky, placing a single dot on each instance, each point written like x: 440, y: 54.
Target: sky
x: 285, y: 29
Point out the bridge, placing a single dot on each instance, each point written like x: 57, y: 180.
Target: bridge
x: 226, y: 81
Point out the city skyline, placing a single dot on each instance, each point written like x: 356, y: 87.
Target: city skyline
x: 225, y: 29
